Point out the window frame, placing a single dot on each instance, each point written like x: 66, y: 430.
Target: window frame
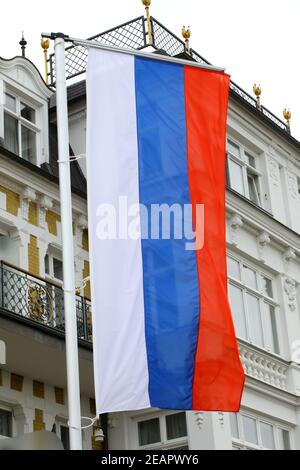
x: 164, y: 443
x: 247, y: 170
x: 263, y: 300
x: 58, y: 425
x: 51, y: 257
x: 241, y: 443
x: 55, y: 287
x: 34, y: 127
x: 9, y: 410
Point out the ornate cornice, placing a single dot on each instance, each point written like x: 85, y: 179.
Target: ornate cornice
x: 7, y: 66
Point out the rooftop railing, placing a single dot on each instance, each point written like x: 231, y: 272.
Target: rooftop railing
x: 133, y: 35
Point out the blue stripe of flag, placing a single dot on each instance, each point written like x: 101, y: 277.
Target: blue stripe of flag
x: 171, y: 292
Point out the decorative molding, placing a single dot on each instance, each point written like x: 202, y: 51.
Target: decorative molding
x: 274, y: 171
x: 236, y: 222
x: 28, y: 196
x: 82, y: 223
x: 221, y: 419
x: 12, y: 65
x: 292, y: 185
x: 46, y: 204
x: 263, y: 240
x: 200, y: 419
x: 257, y: 220
x: 290, y: 288
x: 288, y: 256
x: 19, y: 236
x: 262, y: 366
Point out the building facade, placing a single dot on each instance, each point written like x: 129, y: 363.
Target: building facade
x: 263, y: 242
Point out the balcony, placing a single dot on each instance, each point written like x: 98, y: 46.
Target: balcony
x: 264, y: 366
x: 40, y: 301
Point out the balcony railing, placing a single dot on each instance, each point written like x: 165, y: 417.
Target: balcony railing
x: 264, y: 366
x: 41, y: 301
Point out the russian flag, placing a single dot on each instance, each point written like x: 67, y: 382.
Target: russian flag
x: 162, y: 326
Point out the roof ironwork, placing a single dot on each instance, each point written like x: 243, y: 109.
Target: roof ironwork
x: 134, y: 35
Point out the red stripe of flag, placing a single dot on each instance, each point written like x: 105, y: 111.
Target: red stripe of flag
x: 219, y: 376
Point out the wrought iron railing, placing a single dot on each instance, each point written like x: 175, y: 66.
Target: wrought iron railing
x: 130, y: 35
x: 133, y: 35
x: 41, y: 301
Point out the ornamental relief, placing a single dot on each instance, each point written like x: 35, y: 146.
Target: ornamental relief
x: 274, y: 171
x: 290, y: 288
x: 46, y: 204
x: 235, y: 223
x: 200, y: 419
x: 292, y: 185
x: 263, y: 240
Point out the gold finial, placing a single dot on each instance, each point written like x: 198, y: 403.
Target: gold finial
x: 257, y: 91
x: 45, y: 44
x: 287, y: 116
x: 147, y: 4
x: 186, y: 34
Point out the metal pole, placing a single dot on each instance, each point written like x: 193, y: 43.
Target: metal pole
x: 68, y: 248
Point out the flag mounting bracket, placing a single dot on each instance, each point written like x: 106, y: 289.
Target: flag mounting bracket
x: 86, y: 418
x: 73, y: 159
x: 54, y: 36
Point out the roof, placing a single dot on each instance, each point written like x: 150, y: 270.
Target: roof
x: 74, y: 92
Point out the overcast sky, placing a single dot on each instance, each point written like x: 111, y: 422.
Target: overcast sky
x: 257, y: 41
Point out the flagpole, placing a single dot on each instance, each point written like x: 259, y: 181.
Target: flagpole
x: 68, y: 247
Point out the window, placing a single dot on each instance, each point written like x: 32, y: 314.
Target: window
x: 63, y: 433
x: 20, y: 129
x: 54, y: 270
x: 176, y: 426
x: 5, y: 423
x: 242, y: 174
x: 64, y: 436
x: 253, y: 305
x: 249, y: 432
x: 54, y: 267
x: 164, y: 431
x: 149, y: 432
